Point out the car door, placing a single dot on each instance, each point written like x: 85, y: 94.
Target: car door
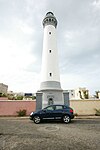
x: 48, y: 112
x: 58, y: 112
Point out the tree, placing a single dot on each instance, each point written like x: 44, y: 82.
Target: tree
x: 3, y: 95
x: 80, y: 94
x: 0, y: 94
x: 86, y: 96
x: 97, y: 94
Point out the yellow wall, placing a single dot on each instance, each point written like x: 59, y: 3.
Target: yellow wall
x: 85, y: 107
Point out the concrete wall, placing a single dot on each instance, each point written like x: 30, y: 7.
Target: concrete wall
x: 3, y: 98
x: 9, y: 108
x: 85, y: 107
x: 81, y: 107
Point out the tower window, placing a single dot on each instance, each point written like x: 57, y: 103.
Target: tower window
x: 50, y: 20
x: 50, y: 74
x: 49, y: 32
x: 50, y: 51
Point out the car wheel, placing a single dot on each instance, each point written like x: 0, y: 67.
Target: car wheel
x: 66, y: 119
x: 36, y: 119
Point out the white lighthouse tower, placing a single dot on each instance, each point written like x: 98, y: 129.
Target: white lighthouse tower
x: 50, y: 88
x: 50, y: 76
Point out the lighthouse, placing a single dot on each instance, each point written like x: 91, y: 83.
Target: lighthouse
x: 50, y: 87
x: 50, y: 77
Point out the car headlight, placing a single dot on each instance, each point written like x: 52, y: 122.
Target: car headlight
x: 31, y: 113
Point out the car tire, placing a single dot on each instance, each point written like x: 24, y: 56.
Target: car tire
x: 37, y: 119
x: 66, y: 119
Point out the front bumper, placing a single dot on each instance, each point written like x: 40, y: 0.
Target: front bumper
x: 31, y: 118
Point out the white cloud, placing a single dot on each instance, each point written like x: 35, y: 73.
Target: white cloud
x: 96, y: 3
x: 24, y: 27
x: 21, y: 37
x: 13, y: 56
x: 14, y: 60
x: 72, y: 81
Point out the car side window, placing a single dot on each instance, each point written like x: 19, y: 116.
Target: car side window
x: 59, y: 107
x: 50, y: 108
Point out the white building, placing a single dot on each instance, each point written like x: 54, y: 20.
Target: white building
x: 3, y: 88
x: 99, y: 95
x: 79, y: 93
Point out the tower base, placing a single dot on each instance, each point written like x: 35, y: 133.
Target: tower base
x: 49, y: 97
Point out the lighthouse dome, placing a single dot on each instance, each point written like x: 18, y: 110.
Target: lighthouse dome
x: 50, y: 19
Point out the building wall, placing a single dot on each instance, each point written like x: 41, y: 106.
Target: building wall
x: 9, y: 108
x: 3, y: 88
x: 85, y: 107
x: 55, y: 95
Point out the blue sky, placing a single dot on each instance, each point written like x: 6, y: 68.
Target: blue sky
x: 21, y: 42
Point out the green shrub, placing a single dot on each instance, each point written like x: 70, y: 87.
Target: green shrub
x: 75, y: 114
x: 33, y: 97
x: 21, y: 112
x: 19, y: 97
x: 3, y: 95
x: 97, y: 112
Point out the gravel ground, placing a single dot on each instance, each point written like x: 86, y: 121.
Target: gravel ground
x: 23, y: 134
